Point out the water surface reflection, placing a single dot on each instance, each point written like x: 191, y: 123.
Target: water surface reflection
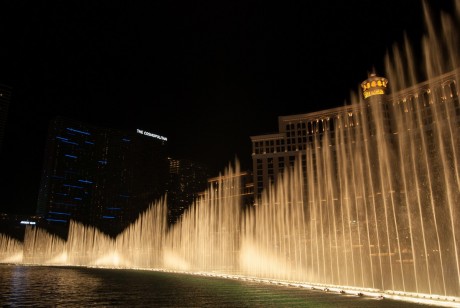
x: 74, y: 286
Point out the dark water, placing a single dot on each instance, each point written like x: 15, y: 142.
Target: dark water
x: 26, y: 286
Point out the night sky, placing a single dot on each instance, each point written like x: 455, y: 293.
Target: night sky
x: 205, y: 74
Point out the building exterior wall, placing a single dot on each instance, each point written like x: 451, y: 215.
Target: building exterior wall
x: 273, y: 153
x: 98, y: 176
x: 186, y: 180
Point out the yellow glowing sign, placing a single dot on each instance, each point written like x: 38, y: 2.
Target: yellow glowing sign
x: 374, y: 86
x: 373, y: 92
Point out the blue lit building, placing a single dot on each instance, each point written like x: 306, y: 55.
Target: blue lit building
x: 98, y: 176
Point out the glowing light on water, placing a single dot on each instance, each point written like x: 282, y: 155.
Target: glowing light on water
x: 111, y: 259
x: 60, y: 259
x: 255, y: 261
x: 172, y: 260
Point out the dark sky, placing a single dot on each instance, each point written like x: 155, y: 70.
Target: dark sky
x: 206, y: 74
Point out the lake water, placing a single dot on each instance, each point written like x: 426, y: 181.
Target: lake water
x: 41, y: 286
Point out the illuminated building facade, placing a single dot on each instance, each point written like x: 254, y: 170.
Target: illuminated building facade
x: 5, y: 97
x: 186, y: 179
x: 98, y: 176
x: 273, y: 153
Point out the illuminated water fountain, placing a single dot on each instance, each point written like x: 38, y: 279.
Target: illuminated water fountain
x: 380, y: 206
x: 139, y: 246
x: 375, y: 205
x: 208, y: 234
x: 11, y: 250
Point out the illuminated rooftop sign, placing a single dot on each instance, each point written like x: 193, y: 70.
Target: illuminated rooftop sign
x: 26, y: 222
x: 374, y: 86
x: 146, y: 133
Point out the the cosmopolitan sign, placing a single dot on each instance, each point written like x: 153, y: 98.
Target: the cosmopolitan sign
x: 26, y: 222
x: 146, y: 133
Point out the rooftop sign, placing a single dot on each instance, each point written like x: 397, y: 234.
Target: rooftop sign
x: 26, y: 222
x: 146, y: 133
x: 374, y: 86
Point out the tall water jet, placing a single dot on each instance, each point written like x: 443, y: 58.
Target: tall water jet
x: 381, y: 184
x: 138, y: 246
x: 87, y: 246
x: 11, y: 250
x: 41, y: 247
x: 425, y: 122
x: 274, y: 239
x: 207, y: 235
x: 142, y: 243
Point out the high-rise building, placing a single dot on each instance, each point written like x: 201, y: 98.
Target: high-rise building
x: 99, y: 176
x: 186, y: 180
x: 273, y: 153
x: 5, y: 97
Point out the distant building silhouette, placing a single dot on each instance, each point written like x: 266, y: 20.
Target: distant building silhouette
x: 99, y: 176
x: 5, y: 98
x: 186, y: 180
